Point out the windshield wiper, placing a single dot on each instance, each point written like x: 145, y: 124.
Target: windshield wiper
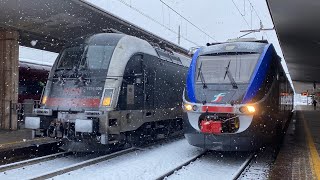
x: 84, y: 59
x: 201, y: 77
x: 233, y: 82
x: 63, y: 69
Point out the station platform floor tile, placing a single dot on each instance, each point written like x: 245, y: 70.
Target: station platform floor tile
x: 299, y: 154
x: 19, y: 139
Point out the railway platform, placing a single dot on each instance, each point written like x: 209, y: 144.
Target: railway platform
x: 299, y: 154
x: 20, y: 139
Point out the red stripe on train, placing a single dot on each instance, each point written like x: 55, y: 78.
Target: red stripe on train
x: 217, y: 109
x: 73, y: 102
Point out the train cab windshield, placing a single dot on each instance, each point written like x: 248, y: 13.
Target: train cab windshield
x: 86, y: 57
x: 214, y: 69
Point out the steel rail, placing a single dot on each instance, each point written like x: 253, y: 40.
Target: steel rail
x: 242, y: 167
x: 31, y: 161
x: 81, y: 164
x: 170, y: 172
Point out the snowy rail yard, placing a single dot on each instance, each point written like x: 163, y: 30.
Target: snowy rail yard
x: 141, y: 163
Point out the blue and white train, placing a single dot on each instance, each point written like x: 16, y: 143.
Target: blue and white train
x: 237, y: 96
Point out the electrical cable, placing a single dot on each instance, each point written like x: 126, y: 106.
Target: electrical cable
x: 187, y: 20
x: 155, y: 21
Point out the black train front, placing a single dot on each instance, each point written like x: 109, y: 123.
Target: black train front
x: 111, y: 89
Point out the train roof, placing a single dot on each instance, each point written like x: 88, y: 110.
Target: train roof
x: 112, y: 39
x: 104, y: 39
x: 239, y: 40
x: 173, y: 57
x: 234, y: 47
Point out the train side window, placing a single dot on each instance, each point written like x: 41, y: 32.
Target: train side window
x: 164, y: 55
x: 185, y: 62
x: 176, y: 60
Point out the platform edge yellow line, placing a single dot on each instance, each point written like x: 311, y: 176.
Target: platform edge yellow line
x: 315, y: 160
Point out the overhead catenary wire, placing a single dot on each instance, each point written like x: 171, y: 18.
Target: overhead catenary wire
x: 155, y: 21
x: 255, y: 11
x: 187, y: 20
x: 242, y: 16
x: 257, y: 14
x: 241, y: 13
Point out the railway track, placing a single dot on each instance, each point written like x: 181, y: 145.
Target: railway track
x: 180, y: 166
x: 14, y: 154
x: 81, y: 164
x: 29, y: 169
x: 31, y: 161
x: 168, y: 160
x: 243, y: 167
x: 64, y: 162
x: 236, y: 172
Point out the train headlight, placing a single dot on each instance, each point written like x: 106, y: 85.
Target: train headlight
x: 188, y: 107
x: 247, y: 109
x: 107, y: 97
x: 106, y: 101
x: 251, y: 109
x: 44, y: 100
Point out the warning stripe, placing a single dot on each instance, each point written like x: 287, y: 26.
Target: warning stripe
x: 220, y: 109
x: 73, y: 102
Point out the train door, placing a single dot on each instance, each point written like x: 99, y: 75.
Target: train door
x: 149, y: 85
x: 132, y: 96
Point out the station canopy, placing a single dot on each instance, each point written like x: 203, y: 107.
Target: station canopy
x: 297, y: 24
x: 52, y: 23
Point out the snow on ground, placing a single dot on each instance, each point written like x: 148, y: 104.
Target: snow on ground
x: 149, y: 163
x: 212, y: 166
x: 27, y: 172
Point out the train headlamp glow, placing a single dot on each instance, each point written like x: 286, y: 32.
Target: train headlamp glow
x: 106, y: 101
x: 107, y: 97
x: 247, y: 109
x: 251, y: 109
x: 44, y: 100
x: 188, y: 107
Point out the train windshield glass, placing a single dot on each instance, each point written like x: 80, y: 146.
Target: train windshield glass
x: 88, y: 57
x: 213, y: 69
x: 70, y: 57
